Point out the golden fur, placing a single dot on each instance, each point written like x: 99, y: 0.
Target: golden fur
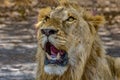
x: 87, y: 59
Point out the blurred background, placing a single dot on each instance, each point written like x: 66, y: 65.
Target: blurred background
x: 17, y: 34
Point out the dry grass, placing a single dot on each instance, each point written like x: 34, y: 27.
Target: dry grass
x: 5, y: 3
x: 49, y: 2
x: 23, y: 2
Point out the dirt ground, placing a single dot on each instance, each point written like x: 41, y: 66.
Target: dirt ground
x: 17, y: 51
x: 18, y: 46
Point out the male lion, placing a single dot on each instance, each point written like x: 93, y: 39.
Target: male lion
x: 69, y: 47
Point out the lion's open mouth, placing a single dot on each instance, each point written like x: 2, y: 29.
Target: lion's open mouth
x: 55, y: 56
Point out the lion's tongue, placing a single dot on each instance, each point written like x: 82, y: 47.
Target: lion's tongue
x: 54, y: 50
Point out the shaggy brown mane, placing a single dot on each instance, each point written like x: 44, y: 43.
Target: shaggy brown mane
x: 77, y: 36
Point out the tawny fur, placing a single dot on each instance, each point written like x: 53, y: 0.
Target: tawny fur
x: 87, y: 58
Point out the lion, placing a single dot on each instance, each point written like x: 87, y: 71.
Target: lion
x: 69, y: 47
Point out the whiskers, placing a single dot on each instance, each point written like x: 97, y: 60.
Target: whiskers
x: 42, y: 40
x: 57, y: 40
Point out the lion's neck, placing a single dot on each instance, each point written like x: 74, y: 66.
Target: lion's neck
x: 95, y: 62
x: 78, y: 72
x: 70, y: 74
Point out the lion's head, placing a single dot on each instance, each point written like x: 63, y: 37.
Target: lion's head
x: 65, y: 36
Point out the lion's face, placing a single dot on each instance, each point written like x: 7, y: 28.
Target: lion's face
x: 63, y: 35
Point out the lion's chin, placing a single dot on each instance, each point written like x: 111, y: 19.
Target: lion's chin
x: 55, y: 69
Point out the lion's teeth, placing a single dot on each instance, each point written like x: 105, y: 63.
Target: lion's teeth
x: 58, y: 56
x: 48, y: 56
x: 52, y: 52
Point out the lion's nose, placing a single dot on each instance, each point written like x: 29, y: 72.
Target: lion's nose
x: 48, y: 32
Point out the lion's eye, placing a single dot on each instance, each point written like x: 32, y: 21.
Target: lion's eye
x: 46, y: 18
x: 70, y: 19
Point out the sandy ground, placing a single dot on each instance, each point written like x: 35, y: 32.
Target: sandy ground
x: 17, y: 51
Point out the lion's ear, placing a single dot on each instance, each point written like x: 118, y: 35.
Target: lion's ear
x: 95, y: 20
x: 42, y: 13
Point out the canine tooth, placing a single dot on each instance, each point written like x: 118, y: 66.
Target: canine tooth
x: 48, y: 56
x: 52, y: 52
x: 58, y: 56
